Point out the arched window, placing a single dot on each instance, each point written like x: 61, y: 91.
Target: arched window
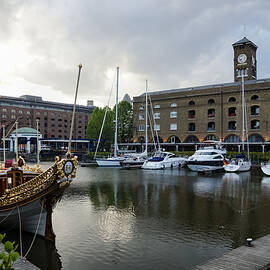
x: 232, y: 111
x: 191, y: 103
x: 232, y: 125
x: 232, y: 138
x: 211, y: 126
x: 255, y: 138
x: 191, y: 114
x: 211, y: 137
x: 211, y: 101
x: 255, y: 124
x: 157, y: 139
x: 173, y: 105
x: 191, y: 127
x: 255, y: 110
x: 191, y: 139
x: 173, y: 139
x: 232, y: 99
x: 211, y: 112
x: 254, y: 97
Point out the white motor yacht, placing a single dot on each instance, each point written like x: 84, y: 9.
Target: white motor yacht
x: 162, y: 160
x: 208, y: 158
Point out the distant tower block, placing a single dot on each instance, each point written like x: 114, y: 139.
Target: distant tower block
x: 90, y: 103
x: 245, y: 60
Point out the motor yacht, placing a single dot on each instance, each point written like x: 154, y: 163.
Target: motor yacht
x: 207, y: 158
x: 163, y: 160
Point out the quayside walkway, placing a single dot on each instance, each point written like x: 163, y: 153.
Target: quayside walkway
x: 256, y: 256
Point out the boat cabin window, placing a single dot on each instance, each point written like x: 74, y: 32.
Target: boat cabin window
x: 218, y: 157
x: 207, y: 153
x: 9, y: 182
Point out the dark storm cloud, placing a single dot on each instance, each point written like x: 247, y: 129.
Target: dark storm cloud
x: 172, y: 43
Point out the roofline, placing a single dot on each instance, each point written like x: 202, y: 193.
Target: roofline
x: 211, y: 86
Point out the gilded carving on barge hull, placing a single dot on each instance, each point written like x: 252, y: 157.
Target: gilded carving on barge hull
x: 40, y: 183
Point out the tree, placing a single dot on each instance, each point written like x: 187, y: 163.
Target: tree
x: 94, y: 127
x: 125, y: 123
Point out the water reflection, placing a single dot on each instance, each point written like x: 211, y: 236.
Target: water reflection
x: 169, y: 219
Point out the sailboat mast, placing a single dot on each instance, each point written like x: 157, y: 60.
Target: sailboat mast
x: 116, y: 113
x: 243, y: 114
x: 146, y: 116
x: 4, y: 143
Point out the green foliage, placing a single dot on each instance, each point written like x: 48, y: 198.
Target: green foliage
x: 125, y: 122
x: 94, y: 127
x: 9, y: 256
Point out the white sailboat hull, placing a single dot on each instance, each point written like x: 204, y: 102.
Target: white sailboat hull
x: 110, y: 162
x: 266, y: 169
x: 241, y: 167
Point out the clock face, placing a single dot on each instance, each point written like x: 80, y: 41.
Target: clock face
x: 242, y: 58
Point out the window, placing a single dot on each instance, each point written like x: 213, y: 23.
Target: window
x: 20, y: 112
x: 157, y: 127
x: 191, y: 103
x: 173, y: 126
x: 191, y: 127
x: 156, y: 115
x: 4, y: 116
x: 156, y: 106
x: 4, y: 110
x: 255, y: 110
x: 191, y: 114
x: 141, y: 116
x: 232, y: 111
x: 254, y: 97
x: 141, y: 108
x: 37, y: 113
x: 13, y: 116
x: 232, y: 138
x: 211, y: 113
x: 173, y: 105
x: 232, y: 99
x: 211, y: 126
x: 28, y: 112
x: 232, y: 125
x: 211, y: 101
x: 141, y: 127
x: 255, y: 124
x: 173, y: 114
x: 13, y: 111
x: 242, y: 72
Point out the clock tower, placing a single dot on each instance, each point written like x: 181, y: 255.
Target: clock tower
x: 245, y: 60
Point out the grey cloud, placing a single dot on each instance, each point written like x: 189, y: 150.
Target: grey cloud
x: 172, y: 43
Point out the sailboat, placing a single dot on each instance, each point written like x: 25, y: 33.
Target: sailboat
x: 136, y: 160
x: 239, y: 164
x: 114, y: 161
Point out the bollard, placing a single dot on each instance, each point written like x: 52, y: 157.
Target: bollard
x: 249, y: 240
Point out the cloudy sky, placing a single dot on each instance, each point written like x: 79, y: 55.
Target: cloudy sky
x: 171, y: 43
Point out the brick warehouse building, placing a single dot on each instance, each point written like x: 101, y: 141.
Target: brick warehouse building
x: 54, y: 117
x: 188, y: 116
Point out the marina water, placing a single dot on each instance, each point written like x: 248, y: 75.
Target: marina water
x: 138, y: 219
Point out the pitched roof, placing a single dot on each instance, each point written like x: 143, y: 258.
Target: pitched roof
x: 244, y: 40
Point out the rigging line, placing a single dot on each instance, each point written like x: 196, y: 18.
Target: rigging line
x: 41, y: 209
x: 7, y: 216
x: 152, y: 133
x: 154, y: 122
x: 104, y: 118
x: 20, y: 224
